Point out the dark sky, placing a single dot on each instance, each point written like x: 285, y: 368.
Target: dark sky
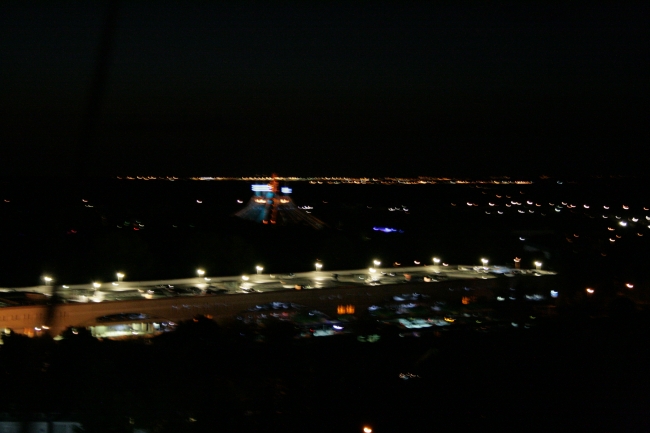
x: 324, y: 88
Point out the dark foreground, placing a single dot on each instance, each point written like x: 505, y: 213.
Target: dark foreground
x: 570, y: 373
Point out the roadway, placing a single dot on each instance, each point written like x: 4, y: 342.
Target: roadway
x: 260, y: 283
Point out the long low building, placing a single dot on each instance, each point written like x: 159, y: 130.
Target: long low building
x: 145, y: 316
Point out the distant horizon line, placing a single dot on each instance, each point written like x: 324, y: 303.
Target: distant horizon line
x: 489, y: 179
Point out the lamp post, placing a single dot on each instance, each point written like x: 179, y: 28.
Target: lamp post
x: 47, y: 280
x: 318, y: 266
x: 436, y: 263
x: 200, y: 272
x: 259, y: 269
x: 376, y: 262
x: 538, y: 265
x: 373, y: 273
x: 485, y: 262
x: 120, y: 277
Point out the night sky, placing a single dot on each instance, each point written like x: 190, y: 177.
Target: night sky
x: 324, y: 88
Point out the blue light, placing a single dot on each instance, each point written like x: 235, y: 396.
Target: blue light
x: 286, y: 190
x: 261, y: 188
x: 387, y: 230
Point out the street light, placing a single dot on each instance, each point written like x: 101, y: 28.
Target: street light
x: 120, y: 276
x: 485, y: 262
x: 245, y: 277
x: 200, y: 272
x: 367, y: 429
x: 517, y: 260
x: 47, y: 280
x: 319, y: 266
x: 590, y: 290
x: 376, y: 262
x: 97, y: 285
x: 259, y: 269
x: 538, y: 265
x: 436, y: 261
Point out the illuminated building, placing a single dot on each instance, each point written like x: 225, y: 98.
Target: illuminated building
x: 271, y: 204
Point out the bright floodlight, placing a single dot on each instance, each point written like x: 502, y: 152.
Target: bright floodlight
x: 97, y: 285
x: 318, y: 266
x: 367, y: 430
x: 376, y: 262
x: 47, y: 280
x: 484, y: 261
x: 200, y: 272
x: 259, y: 268
x: 245, y: 277
x: 120, y: 276
x: 538, y: 265
x: 436, y: 260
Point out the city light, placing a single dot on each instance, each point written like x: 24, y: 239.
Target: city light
x: 318, y: 266
x: 200, y: 272
x: 376, y: 262
x: 538, y: 265
x: 120, y: 276
x: 47, y: 280
x: 484, y: 261
x: 436, y: 261
x: 259, y: 269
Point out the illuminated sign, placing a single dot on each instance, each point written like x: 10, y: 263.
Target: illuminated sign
x: 262, y: 188
x: 285, y: 190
